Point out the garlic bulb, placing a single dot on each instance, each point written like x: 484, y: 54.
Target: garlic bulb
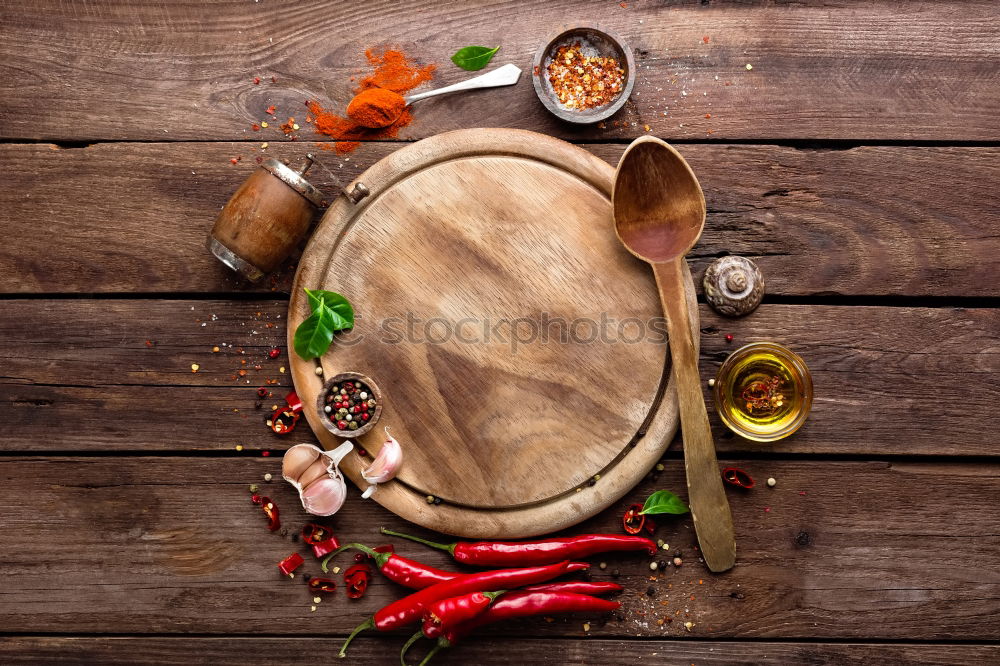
x: 315, y: 474
x: 385, y: 465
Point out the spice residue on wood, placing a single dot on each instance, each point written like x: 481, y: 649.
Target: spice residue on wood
x: 395, y: 75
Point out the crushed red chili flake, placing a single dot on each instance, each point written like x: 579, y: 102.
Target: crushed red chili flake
x: 256, y: 80
x: 270, y: 110
x: 255, y: 127
x: 266, y: 454
x: 235, y: 160
x: 584, y: 82
x: 274, y: 79
x: 705, y: 39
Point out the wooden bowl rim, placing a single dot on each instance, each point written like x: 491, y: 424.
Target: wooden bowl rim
x: 328, y: 422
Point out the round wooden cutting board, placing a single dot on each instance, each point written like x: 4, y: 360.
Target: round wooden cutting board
x: 519, y: 348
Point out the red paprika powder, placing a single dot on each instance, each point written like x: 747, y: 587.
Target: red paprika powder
x: 394, y: 73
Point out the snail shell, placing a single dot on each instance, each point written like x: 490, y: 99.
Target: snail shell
x: 733, y: 286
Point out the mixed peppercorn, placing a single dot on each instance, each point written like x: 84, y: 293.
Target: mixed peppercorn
x: 350, y: 404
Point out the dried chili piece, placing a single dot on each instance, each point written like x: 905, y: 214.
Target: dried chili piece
x: 633, y: 521
x: 356, y: 580
x: 325, y: 585
x: 284, y: 420
x: 734, y: 476
x: 290, y: 564
x: 271, y: 511
x: 321, y: 539
x: 294, y: 403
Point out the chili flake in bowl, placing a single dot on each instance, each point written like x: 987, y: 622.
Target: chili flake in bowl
x: 584, y: 75
x: 349, y: 404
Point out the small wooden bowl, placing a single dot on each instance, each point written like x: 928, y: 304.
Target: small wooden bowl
x: 607, y: 44
x: 331, y: 424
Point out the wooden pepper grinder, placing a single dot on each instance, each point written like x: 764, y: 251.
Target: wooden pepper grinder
x: 267, y: 217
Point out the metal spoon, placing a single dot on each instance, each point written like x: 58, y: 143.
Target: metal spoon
x: 659, y: 215
x: 502, y: 76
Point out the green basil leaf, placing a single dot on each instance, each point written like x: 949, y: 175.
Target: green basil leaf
x: 473, y: 58
x: 343, y: 313
x: 664, y: 501
x: 314, y: 335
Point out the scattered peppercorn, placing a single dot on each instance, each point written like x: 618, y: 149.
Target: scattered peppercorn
x: 772, y: 482
x: 729, y: 337
x: 651, y: 591
x: 274, y: 353
x: 678, y: 561
x: 653, y: 566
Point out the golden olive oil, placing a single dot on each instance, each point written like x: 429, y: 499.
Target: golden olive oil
x: 763, y: 391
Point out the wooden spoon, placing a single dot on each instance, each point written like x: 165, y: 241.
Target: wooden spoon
x: 659, y: 215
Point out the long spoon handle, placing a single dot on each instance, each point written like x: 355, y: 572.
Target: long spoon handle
x: 713, y: 522
x: 502, y: 76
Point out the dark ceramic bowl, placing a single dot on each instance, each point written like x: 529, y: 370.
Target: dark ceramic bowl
x: 330, y: 423
x: 606, y: 44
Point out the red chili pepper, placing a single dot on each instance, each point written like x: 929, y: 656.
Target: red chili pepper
x: 575, y: 586
x: 529, y: 553
x: 294, y: 403
x: 284, y: 420
x: 398, y: 569
x: 271, y: 511
x: 290, y: 564
x: 262, y: 392
x: 417, y: 576
x: 356, y: 580
x: 320, y: 538
x: 737, y: 477
x: 446, y: 613
x: 326, y: 585
x: 633, y: 521
x: 409, y: 609
x: 515, y: 605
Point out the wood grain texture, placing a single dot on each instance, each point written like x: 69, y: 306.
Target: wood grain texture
x: 241, y: 650
x: 865, y: 221
x: 498, y: 298
x: 835, y: 550
x: 135, y: 70
x: 70, y: 380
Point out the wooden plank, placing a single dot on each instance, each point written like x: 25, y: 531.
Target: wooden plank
x: 78, y: 375
x: 240, y: 651
x: 132, y: 70
x: 167, y: 545
x: 866, y: 221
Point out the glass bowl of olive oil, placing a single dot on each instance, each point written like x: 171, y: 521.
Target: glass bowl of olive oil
x: 763, y: 391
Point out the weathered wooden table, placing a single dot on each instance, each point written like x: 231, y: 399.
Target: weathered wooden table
x: 852, y: 149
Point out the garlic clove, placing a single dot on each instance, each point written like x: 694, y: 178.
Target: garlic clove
x: 324, y: 497
x: 385, y: 466
x: 317, y: 470
x: 297, y: 459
